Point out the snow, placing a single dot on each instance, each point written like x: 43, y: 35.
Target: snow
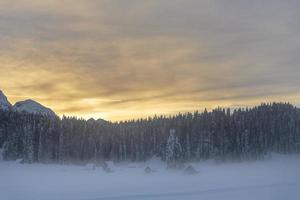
x: 278, y: 178
x: 19, y: 160
x: 28, y: 105
x: 90, y: 166
x: 110, y: 165
x: 31, y: 106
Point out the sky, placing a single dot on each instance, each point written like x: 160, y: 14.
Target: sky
x: 124, y: 59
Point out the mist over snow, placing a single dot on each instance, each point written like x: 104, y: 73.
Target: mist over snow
x: 275, y: 179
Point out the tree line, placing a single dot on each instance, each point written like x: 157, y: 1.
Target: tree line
x: 221, y: 134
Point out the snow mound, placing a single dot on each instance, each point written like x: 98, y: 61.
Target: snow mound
x: 4, y: 103
x: 31, y: 106
x: 109, y: 167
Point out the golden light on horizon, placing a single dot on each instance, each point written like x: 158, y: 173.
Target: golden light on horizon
x: 157, y: 58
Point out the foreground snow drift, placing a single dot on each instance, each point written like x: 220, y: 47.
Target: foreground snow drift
x: 278, y: 178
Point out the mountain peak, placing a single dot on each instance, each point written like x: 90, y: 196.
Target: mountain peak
x: 32, y: 106
x: 4, y: 103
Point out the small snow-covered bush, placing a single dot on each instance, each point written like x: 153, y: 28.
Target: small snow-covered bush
x: 190, y: 170
x: 148, y: 170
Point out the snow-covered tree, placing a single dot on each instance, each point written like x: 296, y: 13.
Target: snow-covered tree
x: 173, y: 151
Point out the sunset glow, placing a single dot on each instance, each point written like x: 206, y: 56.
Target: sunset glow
x: 125, y: 59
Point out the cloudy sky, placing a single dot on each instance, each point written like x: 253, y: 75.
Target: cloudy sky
x: 121, y: 59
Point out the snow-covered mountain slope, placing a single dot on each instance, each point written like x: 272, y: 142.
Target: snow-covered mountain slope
x: 4, y: 103
x: 31, y: 106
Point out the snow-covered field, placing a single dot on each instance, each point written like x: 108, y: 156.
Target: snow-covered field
x: 278, y: 178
